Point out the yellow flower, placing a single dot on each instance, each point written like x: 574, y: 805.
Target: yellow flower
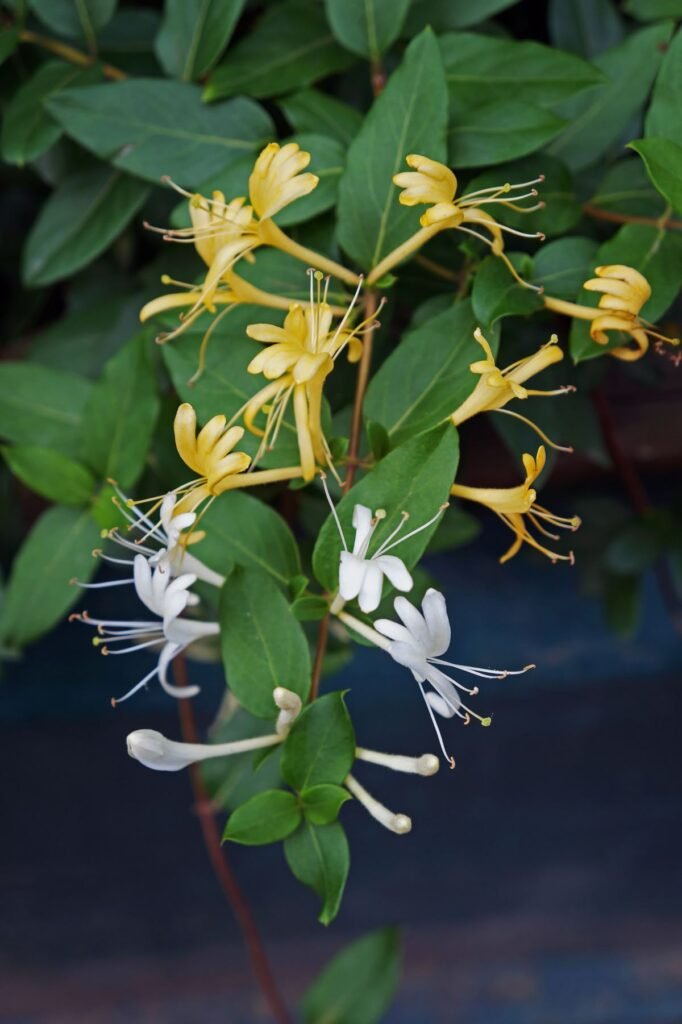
x: 429, y: 182
x: 276, y: 179
x: 209, y: 454
x: 515, y: 505
x: 496, y: 386
x: 623, y: 293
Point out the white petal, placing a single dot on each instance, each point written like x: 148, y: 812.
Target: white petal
x: 166, y: 510
x: 173, y: 606
x: 411, y: 657
x: 445, y: 687
x: 362, y: 524
x: 395, y: 570
x: 370, y: 592
x: 437, y: 622
x: 142, y: 575
x: 393, y: 630
x: 438, y: 705
x: 351, y: 575
x: 414, y: 621
x: 169, y: 652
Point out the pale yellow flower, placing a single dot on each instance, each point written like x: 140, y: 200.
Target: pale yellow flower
x: 276, y: 179
x: 209, y: 453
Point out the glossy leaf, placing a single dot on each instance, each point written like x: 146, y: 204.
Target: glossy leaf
x: 443, y: 15
x: 561, y: 266
x: 263, y: 644
x: 82, y: 217
x: 265, y: 818
x: 322, y: 803
x: 40, y: 406
x: 50, y: 474
x: 319, y: 857
x: 151, y: 127
x: 358, y: 984
x: 320, y: 747
x: 626, y: 188
x: 586, y: 27
x: 38, y: 594
x: 194, y: 34
x: 497, y: 294
x: 312, y: 111
x: 77, y: 19
x: 291, y: 46
x: 366, y: 27
x: 663, y: 115
x: 663, y: 160
x: 9, y: 40
x: 500, y: 131
x: 408, y: 117
x: 652, y: 10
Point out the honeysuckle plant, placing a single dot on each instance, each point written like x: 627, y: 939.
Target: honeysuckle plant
x: 261, y: 457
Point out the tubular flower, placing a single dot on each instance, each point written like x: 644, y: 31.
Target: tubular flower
x: 209, y: 453
x: 496, y: 386
x: 623, y: 293
x: 276, y: 179
x: 432, y: 183
x: 299, y: 357
x: 516, y: 504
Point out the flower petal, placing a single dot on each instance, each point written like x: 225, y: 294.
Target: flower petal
x: 411, y: 657
x: 395, y: 570
x: 414, y: 622
x: 370, y: 592
x: 351, y: 575
x: 437, y: 622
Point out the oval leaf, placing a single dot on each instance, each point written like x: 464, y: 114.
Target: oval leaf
x: 319, y: 857
x: 265, y: 818
x: 51, y: 474
x: 320, y: 747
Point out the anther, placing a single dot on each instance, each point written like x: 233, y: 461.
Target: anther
x: 486, y: 722
x: 113, y: 702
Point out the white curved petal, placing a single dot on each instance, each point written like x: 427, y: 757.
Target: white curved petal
x: 447, y: 689
x: 411, y: 657
x: 438, y: 705
x: 395, y: 571
x: 169, y: 652
x: 437, y: 622
x: 351, y: 575
x: 174, y: 605
x: 142, y: 576
x: 393, y: 630
x: 414, y: 622
x: 370, y: 591
x: 362, y: 524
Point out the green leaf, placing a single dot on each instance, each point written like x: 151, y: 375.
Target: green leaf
x: 426, y: 376
x: 319, y: 858
x: 263, y: 644
x: 82, y: 217
x: 9, y: 40
x: 50, y: 474
x: 290, y: 47
x: 408, y: 117
x: 119, y: 418
x: 499, y: 131
x: 313, y: 111
x: 483, y: 69
x: 455, y: 529
x: 194, y: 34
x: 77, y: 19
x: 652, y: 10
x: 42, y: 407
x: 561, y: 266
x: 623, y: 603
x: 310, y: 608
x: 152, y: 128
x: 265, y: 818
x: 626, y: 188
x: 320, y: 747
x: 601, y: 114
x: 414, y: 478
x: 663, y: 160
x: 242, y: 530
x: 28, y: 130
x: 587, y: 27
x: 663, y: 115
x: 497, y: 294
x: 234, y: 779
x: 359, y: 984
x: 366, y: 27
x: 38, y: 594
x: 443, y: 15
x: 322, y: 803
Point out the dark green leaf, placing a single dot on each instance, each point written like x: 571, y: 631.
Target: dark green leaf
x: 443, y: 15
x: 366, y: 27
x: 455, y: 529
x: 291, y: 46
x: 626, y: 188
x: 310, y: 608
x: 600, y: 115
x: 497, y: 294
x: 562, y: 266
x: 263, y: 644
x: 322, y: 803
x: 9, y: 40
x: 150, y: 127
x: 663, y: 116
x: 652, y: 10
x: 28, y: 130
x: 623, y: 600
x: 232, y: 780
x: 131, y: 31
x: 120, y: 416
x: 58, y: 548
x: 80, y: 220
x: 313, y: 111
x: 194, y: 34
x: 319, y: 857
x: 663, y: 160
x: 587, y: 27
x: 500, y: 131
x: 634, y: 548
x: 78, y: 19
x: 42, y: 407
x: 51, y: 474
x: 265, y: 818
x: 414, y: 478
x: 320, y: 747
x: 359, y: 984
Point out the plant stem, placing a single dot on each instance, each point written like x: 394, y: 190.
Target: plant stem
x: 221, y: 867
x: 627, y: 218
x: 70, y: 53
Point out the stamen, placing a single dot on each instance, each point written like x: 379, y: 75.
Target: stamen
x: 448, y: 757
x: 323, y: 478
x: 533, y: 426
x: 98, y: 586
x: 387, y: 547
x: 201, y: 361
x: 138, y: 686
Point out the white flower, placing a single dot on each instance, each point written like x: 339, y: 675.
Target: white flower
x: 166, y: 597
x: 361, y: 575
x: 418, y: 644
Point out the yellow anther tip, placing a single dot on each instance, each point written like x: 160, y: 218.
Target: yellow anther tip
x: 486, y: 722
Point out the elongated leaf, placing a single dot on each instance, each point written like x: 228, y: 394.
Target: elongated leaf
x: 43, y: 407
x: 500, y: 131
x: 601, y: 114
x: 313, y: 112
x: 265, y: 818
x: 58, y: 548
x: 408, y: 117
x: 663, y: 160
x: 319, y: 857
x: 414, y: 478
x: 51, y: 474
x: 443, y: 15
x: 120, y: 416
x: 151, y: 127
x: 242, y: 530
x: 587, y: 27
x: 359, y: 984
x: 194, y: 34
x: 263, y: 644
x: 320, y: 747
x: 9, y: 40
x: 562, y: 266
x: 291, y: 46
x: 652, y: 10
x: 663, y: 118
x: 626, y: 188
x: 482, y: 69
x: 366, y: 27
x: 497, y: 294
x: 80, y: 220
x: 27, y: 128
x: 78, y: 19
x: 322, y: 803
